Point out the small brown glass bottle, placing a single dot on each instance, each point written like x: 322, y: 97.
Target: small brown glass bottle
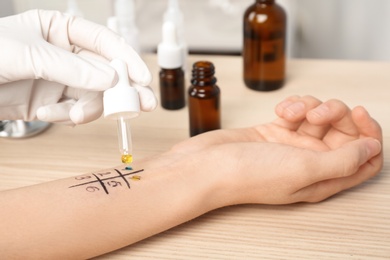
x: 172, y: 90
x: 204, y: 99
x: 264, y: 45
x: 171, y: 76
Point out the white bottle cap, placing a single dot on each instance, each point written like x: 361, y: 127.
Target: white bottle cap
x: 122, y: 100
x: 169, y: 51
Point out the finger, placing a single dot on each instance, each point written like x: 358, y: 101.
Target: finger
x: 100, y: 40
x: 56, y: 113
x: 89, y: 54
x: 55, y: 64
x: 148, y: 100
x: 338, y: 115
x: 147, y: 96
x: 365, y: 124
x: 327, y: 188
x: 65, y: 32
x: 292, y: 111
x: 322, y: 118
x: 344, y: 161
x: 281, y: 107
x: 88, y: 107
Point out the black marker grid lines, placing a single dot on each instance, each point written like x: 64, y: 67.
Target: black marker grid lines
x: 101, y: 180
x: 123, y: 177
x: 101, y: 183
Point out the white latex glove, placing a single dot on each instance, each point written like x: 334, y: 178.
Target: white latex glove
x: 54, y: 67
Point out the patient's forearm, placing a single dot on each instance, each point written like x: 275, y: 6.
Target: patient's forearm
x: 99, y: 212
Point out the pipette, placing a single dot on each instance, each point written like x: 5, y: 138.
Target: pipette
x: 121, y: 102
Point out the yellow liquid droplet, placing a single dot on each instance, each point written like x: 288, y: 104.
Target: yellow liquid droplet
x: 127, y: 158
x: 136, y: 178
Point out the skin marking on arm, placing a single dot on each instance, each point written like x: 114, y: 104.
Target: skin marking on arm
x: 104, y: 181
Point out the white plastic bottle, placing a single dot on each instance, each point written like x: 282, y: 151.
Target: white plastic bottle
x: 175, y: 15
x: 123, y: 22
x: 73, y: 9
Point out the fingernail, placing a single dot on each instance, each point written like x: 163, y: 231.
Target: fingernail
x: 373, y: 147
x: 285, y: 103
x: 320, y: 111
x: 295, y: 108
x: 281, y: 106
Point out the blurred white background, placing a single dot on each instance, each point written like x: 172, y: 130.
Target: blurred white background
x: 332, y: 29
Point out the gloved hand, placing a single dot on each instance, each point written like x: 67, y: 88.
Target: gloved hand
x: 54, y: 67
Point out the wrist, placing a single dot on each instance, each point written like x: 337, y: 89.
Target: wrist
x: 198, y: 184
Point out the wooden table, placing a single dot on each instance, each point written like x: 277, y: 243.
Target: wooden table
x: 354, y: 224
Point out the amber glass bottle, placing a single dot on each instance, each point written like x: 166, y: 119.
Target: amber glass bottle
x: 171, y: 76
x: 172, y: 88
x: 264, y: 45
x: 204, y: 99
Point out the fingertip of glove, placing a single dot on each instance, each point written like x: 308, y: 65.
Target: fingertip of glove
x: 147, y: 98
x: 149, y: 104
x: 42, y: 114
x: 141, y: 78
x: 77, y: 116
x: 145, y: 78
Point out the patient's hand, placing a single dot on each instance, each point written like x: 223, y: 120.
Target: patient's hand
x: 310, y: 152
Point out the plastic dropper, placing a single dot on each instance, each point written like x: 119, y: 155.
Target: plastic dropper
x: 175, y: 15
x: 121, y: 103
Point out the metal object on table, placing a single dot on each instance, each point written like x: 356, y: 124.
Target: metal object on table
x: 21, y: 129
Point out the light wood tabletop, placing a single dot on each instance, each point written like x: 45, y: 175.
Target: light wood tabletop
x: 354, y: 224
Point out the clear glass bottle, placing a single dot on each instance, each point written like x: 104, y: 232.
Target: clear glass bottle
x: 264, y: 45
x: 204, y: 99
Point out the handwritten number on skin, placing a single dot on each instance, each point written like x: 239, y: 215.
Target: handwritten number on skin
x: 92, y: 189
x: 105, y: 181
